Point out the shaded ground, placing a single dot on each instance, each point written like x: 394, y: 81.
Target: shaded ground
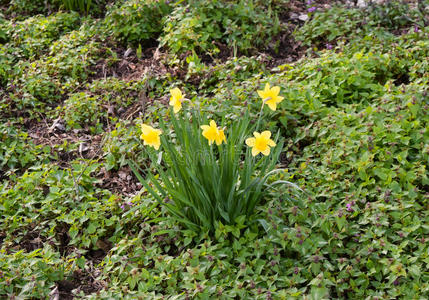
x: 54, y: 134
x: 81, y: 281
x: 122, y: 182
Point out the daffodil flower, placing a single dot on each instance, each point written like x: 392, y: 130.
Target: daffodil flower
x: 150, y: 136
x: 176, y: 99
x: 220, y: 137
x: 260, y: 143
x: 270, y: 96
x: 213, y: 134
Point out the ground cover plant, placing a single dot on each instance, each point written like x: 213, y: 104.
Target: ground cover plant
x: 214, y: 150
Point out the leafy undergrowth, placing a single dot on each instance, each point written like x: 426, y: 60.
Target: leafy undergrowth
x: 76, y: 223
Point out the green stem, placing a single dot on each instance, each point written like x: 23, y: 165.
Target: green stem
x: 260, y: 117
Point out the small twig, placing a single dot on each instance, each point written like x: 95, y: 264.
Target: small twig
x: 43, y: 119
x: 108, y: 113
x: 75, y: 185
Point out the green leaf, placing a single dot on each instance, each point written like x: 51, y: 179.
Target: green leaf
x: 381, y: 173
x: 81, y: 262
x: 414, y: 270
x: 319, y: 293
x: 110, y: 162
x: 92, y: 227
x: 73, y: 232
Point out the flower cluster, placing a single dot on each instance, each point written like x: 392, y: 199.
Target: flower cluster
x: 260, y: 143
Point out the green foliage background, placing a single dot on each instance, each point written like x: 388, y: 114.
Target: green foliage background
x: 355, y: 123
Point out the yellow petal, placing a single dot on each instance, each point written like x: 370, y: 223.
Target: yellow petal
x: 177, y: 107
x: 223, y: 137
x: 279, y: 99
x: 262, y: 94
x: 272, y: 105
x: 271, y: 143
x: 256, y: 134
x: 275, y: 90
x: 266, y: 151
x: 176, y: 93
x: 266, y: 134
x: 255, y: 151
x: 220, y: 137
x: 204, y: 127
x: 146, y: 129
x: 267, y: 87
x: 213, y: 124
x: 210, y: 134
x: 250, y: 142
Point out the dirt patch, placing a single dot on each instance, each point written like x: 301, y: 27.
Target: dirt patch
x: 86, y: 146
x: 403, y: 78
x: 31, y: 241
x: 80, y: 281
x: 131, y: 65
x: 97, y: 256
x: 87, y: 280
x: 84, y: 280
x: 54, y: 134
x: 284, y: 48
x: 63, y: 238
x: 122, y: 182
x: 288, y: 49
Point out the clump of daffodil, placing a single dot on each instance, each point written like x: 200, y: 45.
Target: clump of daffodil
x: 208, y: 186
x: 270, y: 96
x: 150, y: 136
x: 260, y: 143
x: 176, y: 99
x: 213, y: 134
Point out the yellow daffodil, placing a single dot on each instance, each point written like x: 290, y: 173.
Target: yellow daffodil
x: 213, y: 134
x: 270, y: 96
x: 261, y: 143
x: 220, y: 137
x: 150, y: 136
x: 176, y: 99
